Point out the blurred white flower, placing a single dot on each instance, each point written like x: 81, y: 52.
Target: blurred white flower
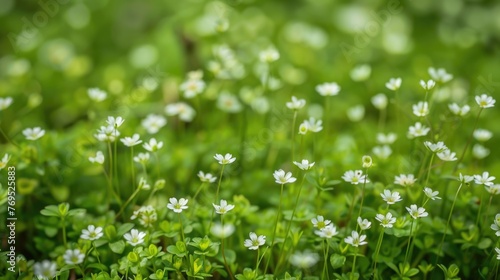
x: 269, y: 55
x: 320, y: 222
x: 99, y: 158
x: 379, y: 101
x: 153, y: 123
x: 493, y: 189
x: 177, y: 206
x: 5, y: 102
x: 367, y: 161
x: 92, y: 233
x: 360, y: 73
x: 96, y: 94
x: 296, y: 104
x: 328, y: 89
x: 226, y: 159
x: 194, y: 85
x: 4, y: 161
x: 485, y: 101
x: 147, y: 215
x: 73, y: 256
x: 457, y: 110
x: 421, y: 109
x: 363, y: 224
x: 386, y: 220
x: 229, y: 103
x: 107, y: 134
x: 416, y: 212
x: 435, y: 147
x: 356, y: 113
x: 304, y: 165
x: 206, y: 178
x: 131, y: 141
x: 390, y: 197
x: 355, y: 239
x: 33, y: 133
x: 222, y: 231
x: 313, y: 125
x: 388, y: 138
x: 142, y: 158
x: 427, y: 85
x: 185, y: 112
x: 447, y: 155
x: 355, y: 177
x: 479, y: 151
x: 153, y: 145
x: 482, y: 135
x: 431, y: 194
x: 484, y: 179
x: 417, y: 130
x: 255, y: 241
x: 223, y: 207
x: 304, y: 259
x: 440, y: 75
x: 393, y: 84
x: 45, y: 270
x: 283, y: 178
x: 115, y: 122
x: 328, y: 231
x: 134, y: 237
x: 405, y: 180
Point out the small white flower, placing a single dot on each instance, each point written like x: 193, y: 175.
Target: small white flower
x: 296, y: 104
x: 99, y: 158
x: 436, y: 147
x: 416, y: 212
x: 320, y: 222
x: 356, y: 113
x: 206, y: 178
x: 405, y: 180
x: 496, y: 225
x: 185, y: 112
x: 221, y: 231
x: 226, y: 159
x: 96, y: 94
x: 328, y: 232
x: 417, y: 130
x: 223, y: 208
x: 498, y: 253
x: 484, y: 179
x: 328, y: 89
x: 283, y: 178
x: 393, y: 84
x: 229, y: 103
x: 479, y: 151
x: 493, y: 189
x: 360, y: 72
x: 33, y: 133
x: 142, y: 158
x: 355, y: 177
x: 379, y: 101
x: 364, y: 224
x: 131, y: 141
x: 390, y: 197
x: 193, y: 85
x: 107, y: 133
x: 431, y: 194
x: 92, y: 233
x: 421, y: 109
x: 153, y: 145
x: 313, y: 125
x: 427, y: 85
x: 153, y: 123
x: 147, y: 215
x: 134, y: 237
x: 386, y: 221
x: 177, y: 206
x: 465, y: 179
x: 485, y: 101
x: 45, y: 270
x: 269, y: 55
x: 457, y: 110
x: 255, y: 241
x: 304, y: 259
x: 386, y: 139
x: 304, y: 165
x: 303, y: 128
x: 5, y: 102
x: 382, y: 152
x: 4, y: 161
x: 143, y: 184
x: 355, y: 239
x: 482, y: 135
x: 447, y: 155
x: 73, y: 256
x: 440, y: 75
x: 115, y: 122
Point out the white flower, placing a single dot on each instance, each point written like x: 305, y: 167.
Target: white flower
x: 465, y: 179
x: 379, y: 101
x: 485, y: 101
x: 91, y: 233
x: 393, y: 84
x: 484, y: 179
x: 313, y: 125
x: 153, y: 123
x: 134, y: 237
x: 45, y: 270
x: 328, y: 231
x: 99, y: 158
x: 282, y: 178
x: 143, y: 184
x: 96, y: 94
x: 431, y: 194
x: 496, y: 225
x: 386, y: 221
x: 421, y: 109
x: 320, y: 222
x: 304, y: 165
x: 255, y: 241
x: 296, y: 104
x: 107, y: 133
x: 303, y: 128
x: 206, y: 178
x: 498, y: 253
x: 360, y: 72
x: 364, y: 224
x: 356, y: 113
x: 115, y: 122
x: 73, y: 256
x: 355, y: 239
x: 185, y: 112
x: 405, y: 180
x: 493, y: 189
x: 427, y: 86
x: 223, y: 208
x: 479, y: 151
x: 367, y: 161
x: 457, y: 110
x: 226, y: 159
x: 482, y: 135
x: 328, y: 89
x: 192, y: 86
x: 4, y: 161
x: 269, y: 55
x: 304, y: 259
x: 447, y: 155
x: 437, y: 147
x: 382, y: 152
x: 440, y: 75
x: 131, y: 141
x: 417, y: 130
x: 390, y: 197
x: 147, y: 215
x: 153, y: 145
x: 416, y: 212
x: 5, y: 102
x: 177, y: 206
x: 388, y: 138
x: 221, y: 231
x: 229, y: 103
x: 33, y: 133
x: 355, y: 177
x: 142, y: 158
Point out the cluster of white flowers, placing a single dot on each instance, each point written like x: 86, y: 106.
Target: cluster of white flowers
x: 193, y: 85
x: 147, y: 215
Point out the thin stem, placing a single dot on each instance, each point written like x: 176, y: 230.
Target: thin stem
x: 325, y: 264
x: 429, y: 170
x: 275, y: 227
x: 480, y: 208
x: 132, y: 165
x: 181, y: 228
x: 409, y: 241
x: 65, y: 242
x: 222, y: 250
x: 362, y: 194
x: 485, y: 216
x: 468, y: 142
x: 293, y: 134
x: 377, y: 251
x: 447, y: 223
x: 128, y: 201
x: 216, y: 196
x: 115, y: 166
x: 354, y: 264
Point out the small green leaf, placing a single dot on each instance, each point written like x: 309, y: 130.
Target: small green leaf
x: 117, y: 247
x: 337, y: 260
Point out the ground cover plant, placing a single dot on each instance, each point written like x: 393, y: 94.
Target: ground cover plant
x: 249, y: 139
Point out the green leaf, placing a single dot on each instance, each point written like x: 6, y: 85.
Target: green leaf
x: 51, y: 211
x: 484, y: 243
x: 337, y: 260
x: 124, y: 228
x: 117, y: 247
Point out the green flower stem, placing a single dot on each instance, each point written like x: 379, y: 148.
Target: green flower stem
x: 480, y: 208
x: 7, y: 138
x: 259, y: 260
x: 128, y: 201
x: 381, y: 119
x: 429, y: 170
x: 377, y: 251
x: 216, y: 196
x: 468, y: 142
x: 487, y: 209
x: 222, y: 251
x: 448, y: 222
x: 293, y: 134
x: 132, y: 169
x: 157, y: 160
x: 65, y: 240
x: 194, y: 198
x: 409, y: 241
x: 274, y: 230
x: 182, y: 228
x: 115, y: 167
x: 325, y: 264
x: 362, y: 195
x: 354, y: 264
